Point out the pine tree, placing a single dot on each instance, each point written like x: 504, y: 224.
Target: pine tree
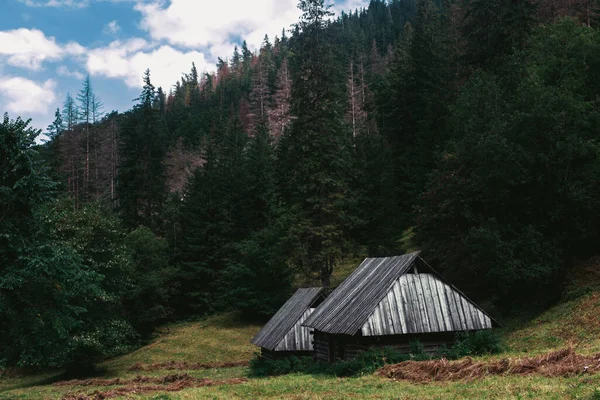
x: 494, y: 28
x: 236, y: 60
x: 69, y: 113
x: 205, y: 233
x: 279, y: 114
x: 142, y: 180
x: 86, y: 98
x: 259, y: 97
x: 56, y: 127
x: 314, y: 155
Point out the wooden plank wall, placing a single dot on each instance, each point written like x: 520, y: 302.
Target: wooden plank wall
x: 348, y: 347
x: 298, y: 338
x: 284, y: 320
x: 278, y: 355
x: 321, y: 346
x: 422, y: 303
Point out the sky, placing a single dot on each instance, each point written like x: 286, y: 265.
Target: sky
x: 47, y: 47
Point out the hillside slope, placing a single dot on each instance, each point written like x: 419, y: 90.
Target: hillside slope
x: 208, y: 359
x: 574, y: 321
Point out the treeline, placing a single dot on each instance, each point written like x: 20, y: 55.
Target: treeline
x: 466, y: 129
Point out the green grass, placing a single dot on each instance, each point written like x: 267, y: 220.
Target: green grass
x: 219, y: 339
x: 575, y: 321
x: 216, y: 339
x: 373, y: 387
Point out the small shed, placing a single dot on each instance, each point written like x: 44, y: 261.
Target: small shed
x: 284, y: 334
x: 391, y: 302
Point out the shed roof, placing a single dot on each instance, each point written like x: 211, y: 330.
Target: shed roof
x: 362, y: 299
x: 350, y: 304
x: 287, y: 316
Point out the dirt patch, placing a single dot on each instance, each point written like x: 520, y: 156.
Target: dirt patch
x: 185, y: 366
x: 562, y: 363
x: 143, y: 384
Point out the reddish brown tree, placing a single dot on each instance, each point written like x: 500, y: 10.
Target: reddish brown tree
x: 279, y: 115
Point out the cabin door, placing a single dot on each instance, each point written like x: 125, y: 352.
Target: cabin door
x: 331, y: 349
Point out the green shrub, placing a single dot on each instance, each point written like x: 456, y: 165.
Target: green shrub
x: 368, y: 362
x: 467, y: 344
x: 472, y: 344
x: 417, y: 351
x: 365, y: 363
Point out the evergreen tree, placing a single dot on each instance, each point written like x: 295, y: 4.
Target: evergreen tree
x: 258, y: 279
x: 204, y: 235
x: 142, y: 180
x: 69, y: 113
x: 314, y: 156
x: 53, y: 308
x: 56, y: 127
x: 494, y: 28
x: 148, y: 300
x: 506, y: 211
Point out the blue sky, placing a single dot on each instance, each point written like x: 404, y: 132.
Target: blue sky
x: 47, y: 47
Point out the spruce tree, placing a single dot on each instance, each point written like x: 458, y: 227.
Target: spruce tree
x: 495, y: 28
x: 56, y: 127
x: 314, y: 156
x: 69, y: 113
x: 142, y: 176
x: 204, y: 235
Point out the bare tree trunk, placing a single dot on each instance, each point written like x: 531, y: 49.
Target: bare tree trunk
x: 363, y: 89
x: 352, y: 87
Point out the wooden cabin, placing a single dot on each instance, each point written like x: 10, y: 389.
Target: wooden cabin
x: 284, y: 334
x: 391, y: 302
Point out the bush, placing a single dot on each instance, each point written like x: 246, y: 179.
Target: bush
x: 368, y: 362
x: 472, y: 344
x: 260, y: 366
x: 467, y: 344
x: 365, y: 363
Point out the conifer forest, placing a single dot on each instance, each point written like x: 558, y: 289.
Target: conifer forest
x: 467, y: 129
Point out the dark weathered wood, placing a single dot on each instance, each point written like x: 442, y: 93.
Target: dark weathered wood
x: 321, y: 346
x: 348, y: 347
x: 279, y: 355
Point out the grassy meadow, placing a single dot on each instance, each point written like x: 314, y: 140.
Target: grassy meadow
x: 223, y: 339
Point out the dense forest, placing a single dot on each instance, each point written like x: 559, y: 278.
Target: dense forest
x: 467, y: 129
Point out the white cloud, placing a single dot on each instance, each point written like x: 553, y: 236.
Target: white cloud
x: 74, y: 48
x: 222, y: 50
x: 190, y: 23
x: 112, y: 28
x: 129, y: 59
x: 30, y: 48
x: 23, y: 96
x: 64, y: 71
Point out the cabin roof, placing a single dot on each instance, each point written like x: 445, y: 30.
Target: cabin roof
x: 362, y: 299
x: 287, y: 316
x: 347, y: 308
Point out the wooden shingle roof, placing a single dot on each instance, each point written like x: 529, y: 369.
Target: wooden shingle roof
x: 380, y: 298
x: 348, y: 307
x: 288, y: 315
